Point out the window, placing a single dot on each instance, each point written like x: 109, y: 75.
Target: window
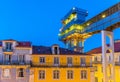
x: 56, y: 50
x: 69, y: 60
x: 7, y: 59
x: 56, y: 74
x: 42, y: 60
x: 8, y: 46
x: 41, y: 74
x: 56, y: 60
x: 82, y: 61
x: 21, y: 58
x: 20, y: 72
x: 95, y: 58
x: 83, y: 74
x: 6, y: 73
x: 69, y: 74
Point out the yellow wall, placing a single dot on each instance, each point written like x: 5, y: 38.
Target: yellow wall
x: 62, y: 59
x: 62, y: 70
x: 99, y: 73
x: 63, y: 75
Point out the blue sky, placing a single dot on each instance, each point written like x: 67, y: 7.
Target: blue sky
x: 39, y: 21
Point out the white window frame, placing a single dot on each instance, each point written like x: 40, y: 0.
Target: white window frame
x: 82, y: 61
x: 56, y: 74
x: 3, y: 71
x: 56, y: 59
x: 70, y: 74
x: 69, y: 63
x: 18, y: 70
x: 83, y: 74
x: 42, y: 58
x: 41, y: 75
x: 23, y: 59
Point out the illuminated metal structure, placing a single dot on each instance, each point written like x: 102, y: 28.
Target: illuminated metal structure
x: 75, y: 30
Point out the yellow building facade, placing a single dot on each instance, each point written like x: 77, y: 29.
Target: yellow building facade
x: 58, y: 64
x: 97, y: 62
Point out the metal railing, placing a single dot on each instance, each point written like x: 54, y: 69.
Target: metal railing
x: 15, y: 63
x: 51, y: 64
x: 7, y: 50
x: 100, y: 62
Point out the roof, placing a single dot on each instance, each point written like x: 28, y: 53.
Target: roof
x: 24, y: 44
x: 99, y: 49
x: 75, y: 10
x: 19, y: 43
x: 9, y: 40
x: 42, y: 50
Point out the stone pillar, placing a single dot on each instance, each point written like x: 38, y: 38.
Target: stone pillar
x: 108, y: 64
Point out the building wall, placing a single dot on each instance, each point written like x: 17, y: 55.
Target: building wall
x: 62, y: 59
x: 98, y: 67
x: 63, y: 75
x: 62, y: 68
x: 14, y: 74
x: 15, y: 64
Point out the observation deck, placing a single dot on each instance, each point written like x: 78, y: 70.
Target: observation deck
x: 74, y: 23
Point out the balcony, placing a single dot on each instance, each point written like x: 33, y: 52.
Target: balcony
x: 99, y: 62
x: 69, y: 33
x: 14, y: 63
x: 62, y: 65
x: 8, y: 51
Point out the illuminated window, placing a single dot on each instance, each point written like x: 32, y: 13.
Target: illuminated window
x: 6, y: 73
x: 41, y: 74
x: 20, y: 72
x: 56, y: 60
x: 69, y: 74
x: 56, y: 74
x: 42, y: 60
x: 83, y: 74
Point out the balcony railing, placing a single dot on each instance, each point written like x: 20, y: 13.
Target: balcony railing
x: 14, y: 63
x: 8, y: 50
x: 50, y: 64
x: 100, y: 62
